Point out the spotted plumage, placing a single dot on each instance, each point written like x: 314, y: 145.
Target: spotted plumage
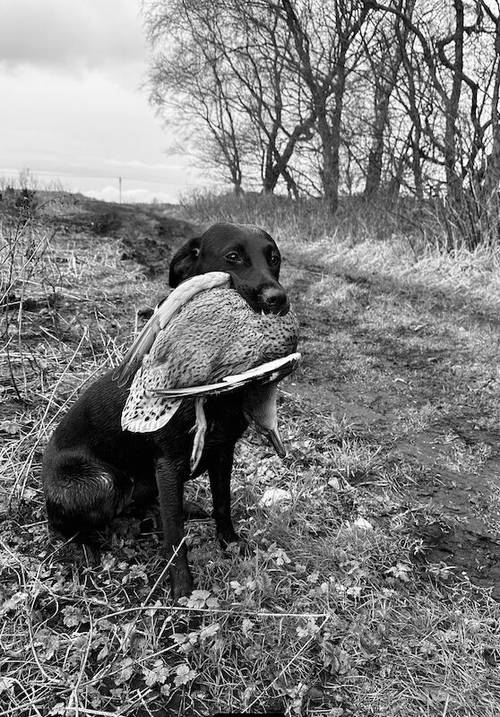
x: 210, y: 336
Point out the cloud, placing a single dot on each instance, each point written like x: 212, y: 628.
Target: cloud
x: 72, y: 107
x: 137, y: 164
x: 70, y: 33
x: 111, y: 194
x: 84, y: 129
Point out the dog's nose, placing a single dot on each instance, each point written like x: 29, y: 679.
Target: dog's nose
x: 274, y: 300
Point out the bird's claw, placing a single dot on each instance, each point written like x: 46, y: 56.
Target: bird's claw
x: 195, y: 456
x: 199, y: 436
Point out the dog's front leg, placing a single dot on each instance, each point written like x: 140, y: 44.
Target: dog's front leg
x: 170, y: 477
x: 220, y: 466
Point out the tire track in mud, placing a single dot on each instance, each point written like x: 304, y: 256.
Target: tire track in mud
x: 466, y: 534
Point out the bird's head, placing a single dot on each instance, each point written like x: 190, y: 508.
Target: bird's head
x: 260, y: 409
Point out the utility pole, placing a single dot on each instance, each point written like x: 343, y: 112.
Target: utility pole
x: 120, y: 188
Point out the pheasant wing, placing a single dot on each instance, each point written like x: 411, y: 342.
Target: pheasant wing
x: 265, y: 373
x: 162, y: 315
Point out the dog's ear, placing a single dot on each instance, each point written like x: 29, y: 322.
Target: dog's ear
x: 183, y: 262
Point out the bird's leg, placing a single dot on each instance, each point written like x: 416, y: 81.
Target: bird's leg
x: 199, y: 436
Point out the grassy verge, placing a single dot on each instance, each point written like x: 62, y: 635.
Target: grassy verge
x: 344, y: 608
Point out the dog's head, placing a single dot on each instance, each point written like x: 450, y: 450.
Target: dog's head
x: 247, y: 253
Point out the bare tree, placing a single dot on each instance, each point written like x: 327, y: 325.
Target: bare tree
x: 491, y: 173
x: 190, y: 84
x: 337, y: 95
x: 226, y: 63
x: 255, y: 50
x: 442, y: 59
x: 384, y: 54
x: 324, y: 35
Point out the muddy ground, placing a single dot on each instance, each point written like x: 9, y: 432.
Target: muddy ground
x: 418, y: 390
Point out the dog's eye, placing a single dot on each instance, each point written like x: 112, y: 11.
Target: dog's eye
x: 274, y: 259
x: 233, y: 257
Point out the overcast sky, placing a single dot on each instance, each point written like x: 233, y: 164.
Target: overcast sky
x: 71, y: 103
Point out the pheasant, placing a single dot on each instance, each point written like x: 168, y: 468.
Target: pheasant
x: 203, y: 340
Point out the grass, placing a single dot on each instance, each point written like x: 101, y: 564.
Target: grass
x: 349, y: 605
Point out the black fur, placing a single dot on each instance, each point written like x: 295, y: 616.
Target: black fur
x: 91, y: 468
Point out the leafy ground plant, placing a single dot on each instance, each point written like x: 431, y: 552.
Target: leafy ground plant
x: 371, y: 586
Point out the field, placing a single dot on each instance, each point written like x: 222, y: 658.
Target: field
x: 374, y: 584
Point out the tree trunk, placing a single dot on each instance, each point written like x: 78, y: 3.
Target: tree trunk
x: 291, y: 184
x: 329, y: 169
x: 416, y: 164
x: 453, y: 181
x: 270, y: 175
x: 491, y: 183
x: 333, y: 164
x: 374, y: 170
x: 269, y: 183
x: 491, y: 180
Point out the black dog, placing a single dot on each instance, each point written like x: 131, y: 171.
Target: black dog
x: 92, y: 468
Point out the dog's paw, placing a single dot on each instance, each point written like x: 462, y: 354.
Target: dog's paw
x: 245, y: 549
x: 192, y: 511
x: 181, y: 583
x: 227, y: 538
x: 234, y: 544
